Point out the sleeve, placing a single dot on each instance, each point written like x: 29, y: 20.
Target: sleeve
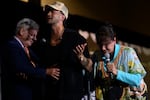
x: 135, y: 71
x: 22, y: 64
x: 79, y: 39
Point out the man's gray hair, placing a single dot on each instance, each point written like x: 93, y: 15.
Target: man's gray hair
x: 27, y: 23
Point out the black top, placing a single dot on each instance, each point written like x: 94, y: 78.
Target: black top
x: 71, y: 85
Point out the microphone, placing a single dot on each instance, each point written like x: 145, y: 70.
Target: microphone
x: 107, y: 57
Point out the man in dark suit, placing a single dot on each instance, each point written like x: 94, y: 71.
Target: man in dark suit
x: 20, y: 72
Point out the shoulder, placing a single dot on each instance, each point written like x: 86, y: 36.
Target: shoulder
x: 12, y: 43
x: 127, y: 48
x: 68, y: 30
x: 74, y: 34
x: 71, y: 32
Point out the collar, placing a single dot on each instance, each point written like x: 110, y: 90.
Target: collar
x: 116, y: 51
x: 19, y: 41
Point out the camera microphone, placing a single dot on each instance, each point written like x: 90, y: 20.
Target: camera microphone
x: 44, y: 40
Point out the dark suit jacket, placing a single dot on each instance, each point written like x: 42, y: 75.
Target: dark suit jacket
x: 19, y: 77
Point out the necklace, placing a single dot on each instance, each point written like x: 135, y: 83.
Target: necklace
x: 55, y: 39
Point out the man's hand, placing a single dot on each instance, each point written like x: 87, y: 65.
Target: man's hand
x: 54, y: 72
